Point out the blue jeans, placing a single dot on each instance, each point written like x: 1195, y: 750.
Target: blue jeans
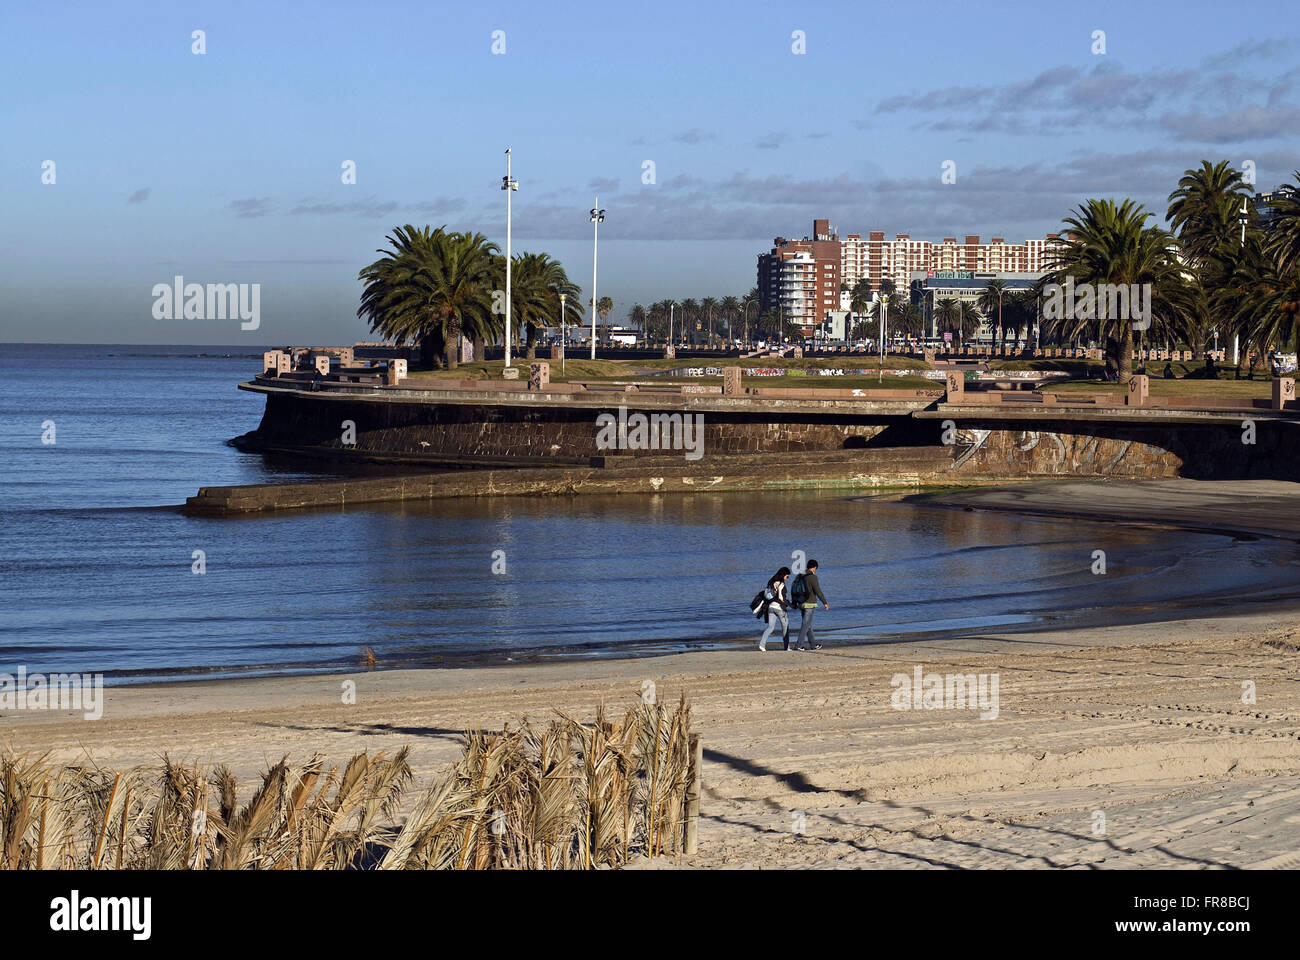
x: 775, y: 615
x: 806, y: 638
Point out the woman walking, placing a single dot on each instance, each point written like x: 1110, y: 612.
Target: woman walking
x: 776, y: 602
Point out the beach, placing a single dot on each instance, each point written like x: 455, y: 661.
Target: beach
x: 1111, y: 747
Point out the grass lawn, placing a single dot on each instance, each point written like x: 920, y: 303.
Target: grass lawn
x: 1213, y: 389
x: 1080, y: 368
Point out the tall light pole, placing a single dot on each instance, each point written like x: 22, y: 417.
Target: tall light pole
x: 1243, y: 218
x: 884, y: 313
x: 597, y: 216
x: 672, y: 304
x: 563, y: 336
x: 509, y: 185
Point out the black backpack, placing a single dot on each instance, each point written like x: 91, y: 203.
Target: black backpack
x: 756, y: 605
x: 799, y: 592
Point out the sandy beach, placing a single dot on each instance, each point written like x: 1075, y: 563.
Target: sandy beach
x: 1111, y: 747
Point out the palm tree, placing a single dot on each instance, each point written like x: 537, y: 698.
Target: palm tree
x: 687, y: 311
x: 430, y: 288
x: 730, y: 310
x: 536, y: 284
x: 969, y: 321
x: 709, y: 306
x: 990, y: 299
x: 637, y: 318
x: 747, y: 302
x: 1284, y: 240
x: 948, y: 312
x: 1268, y: 301
x: 1110, y: 244
x: 907, y: 316
x: 1204, y: 210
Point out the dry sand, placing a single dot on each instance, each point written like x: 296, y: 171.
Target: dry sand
x: 1142, y: 725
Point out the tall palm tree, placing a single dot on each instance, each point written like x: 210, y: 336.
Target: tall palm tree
x: 430, y: 288
x: 688, y: 312
x: 747, y: 303
x: 637, y: 318
x: 1204, y: 210
x: 1112, y: 244
x: 708, y: 307
x: 990, y: 300
x: 536, y: 284
x: 907, y: 316
x: 969, y: 320
x: 948, y: 312
x: 730, y: 310
x: 1267, y: 300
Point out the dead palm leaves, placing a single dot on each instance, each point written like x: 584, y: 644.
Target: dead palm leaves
x: 563, y: 795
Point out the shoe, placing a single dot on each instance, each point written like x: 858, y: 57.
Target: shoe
x: 815, y: 646
x: 762, y: 649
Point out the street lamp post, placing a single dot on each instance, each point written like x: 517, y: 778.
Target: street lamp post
x: 597, y: 217
x: 672, y: 305
x: 509, y: 185
x: 884, y: 313
x: 1235, y: 336
x: 564, y: 329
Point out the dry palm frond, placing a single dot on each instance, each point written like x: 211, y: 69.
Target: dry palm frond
x: 563, y: 795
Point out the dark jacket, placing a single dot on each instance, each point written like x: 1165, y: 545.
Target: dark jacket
x: 814, y: 589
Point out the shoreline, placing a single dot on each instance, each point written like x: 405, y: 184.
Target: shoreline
x: 1264, y: 508
x: 1145, y: 724
x: 1068, y: 500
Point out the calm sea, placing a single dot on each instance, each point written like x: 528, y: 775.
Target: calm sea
x: 96, y: 563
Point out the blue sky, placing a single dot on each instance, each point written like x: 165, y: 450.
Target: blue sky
x: 225, y: 167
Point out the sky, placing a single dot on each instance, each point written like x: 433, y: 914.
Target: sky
x: 705, y: 129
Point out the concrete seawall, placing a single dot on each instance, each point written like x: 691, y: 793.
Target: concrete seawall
x: 854, y: 470
x: 537, y: 443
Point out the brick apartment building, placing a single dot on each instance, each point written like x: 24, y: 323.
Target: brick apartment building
x: 801, y: 278
x: 877, y: 258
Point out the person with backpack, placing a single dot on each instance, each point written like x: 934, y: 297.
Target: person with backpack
x: 771, y: 605
x: 804, y: 593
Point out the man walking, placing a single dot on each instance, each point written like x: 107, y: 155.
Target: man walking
x: 808, y: 597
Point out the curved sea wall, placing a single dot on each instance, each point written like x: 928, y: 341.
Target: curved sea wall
x: 978, y: 442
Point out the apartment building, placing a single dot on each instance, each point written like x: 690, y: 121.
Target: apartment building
x: 878, y: 259
x: 801, y: 278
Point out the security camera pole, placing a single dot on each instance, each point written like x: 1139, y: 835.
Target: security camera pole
x: 509, y: 185
x: 597, y: 215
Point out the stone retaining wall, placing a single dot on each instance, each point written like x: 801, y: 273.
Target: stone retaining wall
x: 488, y: 430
